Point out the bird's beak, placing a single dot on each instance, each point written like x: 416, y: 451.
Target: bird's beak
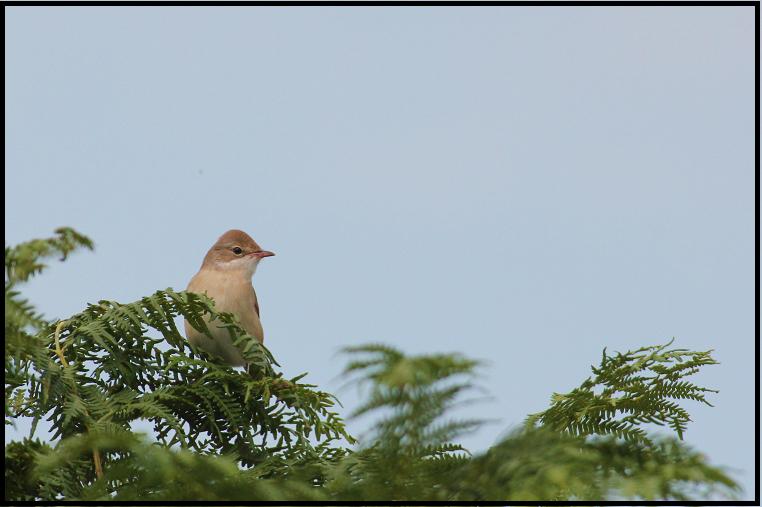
x: 262, y: 253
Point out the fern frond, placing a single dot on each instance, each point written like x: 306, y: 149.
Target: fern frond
x: 628, y: 390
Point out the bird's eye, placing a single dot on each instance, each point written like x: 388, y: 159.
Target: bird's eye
x: 237, y: 250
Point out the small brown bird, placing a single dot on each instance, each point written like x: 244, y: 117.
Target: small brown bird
x: 225, y: 276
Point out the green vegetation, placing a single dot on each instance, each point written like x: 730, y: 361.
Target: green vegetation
x: 222, y: 434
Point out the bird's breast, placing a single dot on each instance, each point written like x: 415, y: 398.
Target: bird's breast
x: 233, y: 294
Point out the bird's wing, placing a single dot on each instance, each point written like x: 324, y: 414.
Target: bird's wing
x: 256, y: 303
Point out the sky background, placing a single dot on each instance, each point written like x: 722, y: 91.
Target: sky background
x: 522, y: 185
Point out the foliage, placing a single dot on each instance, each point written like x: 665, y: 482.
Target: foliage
x: 412, y: 436
x: 22, y: 322
x: 222, y: 434
x: 151, y: 472
x: 543, y: 464
x: 20, y: 461
x: 641, y: 383
x: 414, y: 439
x: 99, y: 371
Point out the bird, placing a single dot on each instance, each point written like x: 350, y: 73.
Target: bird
x: 225, y: 276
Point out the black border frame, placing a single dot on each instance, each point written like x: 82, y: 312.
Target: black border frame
x: 478, y: 3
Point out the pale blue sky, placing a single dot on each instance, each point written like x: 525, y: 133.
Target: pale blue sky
x: 523, y: 185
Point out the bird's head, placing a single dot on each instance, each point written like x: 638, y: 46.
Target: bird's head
x: 235, y: 251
